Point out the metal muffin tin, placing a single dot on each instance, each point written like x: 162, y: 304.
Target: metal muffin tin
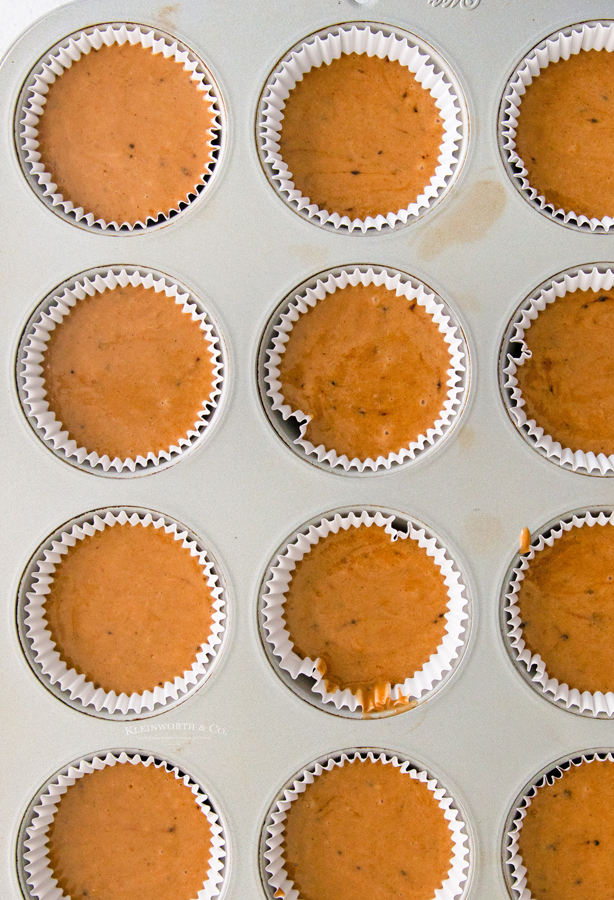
x: 485, y: 248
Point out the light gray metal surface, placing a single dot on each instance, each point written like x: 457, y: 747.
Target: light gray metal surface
x: 486, y: 733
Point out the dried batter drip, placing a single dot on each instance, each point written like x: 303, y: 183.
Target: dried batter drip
x: 370, y: 367
x: 371, y: 609
x: 366, y: 830
x: 129, y: 608
x: 125, y: 133
x: 566, y: 602
x: 564, y: 133
x: 129, y: 831
x: 361, y: 136
x: 127, y: 372
x: 568, y: 383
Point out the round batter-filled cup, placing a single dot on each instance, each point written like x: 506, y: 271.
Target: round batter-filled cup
x: 122, y: 868
x: 430, y: 72
x: 140, y: 406
x: 142, y: 148
x: 578, y: 348
x: 557, y: 835
x: 448, y: 381
x: 63, y: 669
x: 556, y: 629
x: 581, y: 126
x: 402, y: 852
x: 327, y: 684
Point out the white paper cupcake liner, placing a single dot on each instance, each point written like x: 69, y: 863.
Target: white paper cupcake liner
x: 32, y: 102
x: 391, y: 697
x: 598, y: 35
x: 515, y: 870
x: 595, y: 279
x: 40, y: 881
x: 531, y: 665
x: 300, y: 303
x: 40, y: 648
x: 275, y: 876
x: 31, y: 383
x: 374, y: 40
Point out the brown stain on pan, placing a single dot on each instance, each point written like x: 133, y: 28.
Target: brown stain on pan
x: 468, y: 220
x: 166, y: 17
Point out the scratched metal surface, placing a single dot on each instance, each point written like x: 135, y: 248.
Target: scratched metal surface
x: 484, y: 249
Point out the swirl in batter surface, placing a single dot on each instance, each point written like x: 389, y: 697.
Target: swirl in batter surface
x: 567, y: 837
x: 564, y: 133
x: 366, y: 829
x: 129, y: 608
x: 568, y: 383
x: 361, y: 136
x: 371, y: 369
x: 125, y: 133
x: 370, y: 608
x: 566, y: 602
x: 129, y: 831
x: 127, y: 371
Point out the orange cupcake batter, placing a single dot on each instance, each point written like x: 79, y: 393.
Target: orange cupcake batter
x: 567, y: 838
x: 129, y: 831
x: 126, y: 134
x: 372, y: 610
x: 126, y: 372
x: 371, y: 368
x: 564, y: 133
x: 568, y: 384
x: 366, y: 830
x: 566, y: 604
x: 129, y: 608
x: 361, y: 136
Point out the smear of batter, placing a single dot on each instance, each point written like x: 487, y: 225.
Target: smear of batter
x: 366, y: 830
x: 129, y: 608
x: 568, y: 383
x: 567, y: 838
x: 371, y: 609
x: 125, y: 133
x: 370, y: 367
x: 566, y: 602
x: 129, y: 831
x: 564, y: 133
x: 127, y: 372
x: 361, y: 136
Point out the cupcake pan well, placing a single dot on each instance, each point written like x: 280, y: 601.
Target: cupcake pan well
x: 38, y: 644
x: 244, y: 734
x: 70, y: 50
x: 31, y: 384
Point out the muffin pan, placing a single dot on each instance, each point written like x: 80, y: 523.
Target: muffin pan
x: 241, y: 249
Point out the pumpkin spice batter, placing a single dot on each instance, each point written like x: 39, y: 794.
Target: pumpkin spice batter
x: 567, y: 838
x: 361, y: 136
x: 566, y: 605
x: 564, y: 133
x: 371, y: 369
x: 125, y: 133
x: 129, y: 831
x: 372, y: 610
x: 366, y: 829
x: 129, y: 608
x: 127, y: 372
x: 568, y: 383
